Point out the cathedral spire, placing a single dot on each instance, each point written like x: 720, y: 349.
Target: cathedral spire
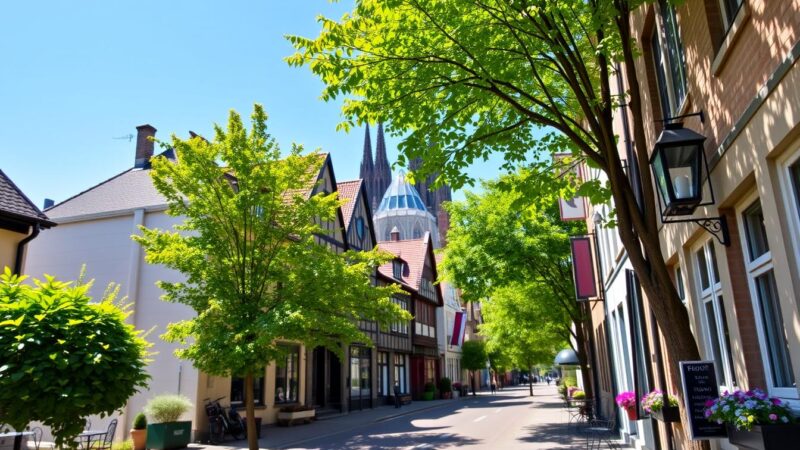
x: 366, y: 158
x: 383, y: 173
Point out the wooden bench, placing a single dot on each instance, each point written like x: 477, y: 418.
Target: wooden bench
x: 405, y: 399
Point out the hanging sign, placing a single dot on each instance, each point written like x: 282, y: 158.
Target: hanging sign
x: 583, y: 268
x: 570, y: 208
x: 699, y: 382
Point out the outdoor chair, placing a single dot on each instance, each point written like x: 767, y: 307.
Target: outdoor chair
x: 600, y: 432
x: 37, y: 437
x: 108, y: 438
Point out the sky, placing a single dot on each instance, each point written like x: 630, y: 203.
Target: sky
x: 77, y: 77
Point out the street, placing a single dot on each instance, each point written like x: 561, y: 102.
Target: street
x: 509, y: 419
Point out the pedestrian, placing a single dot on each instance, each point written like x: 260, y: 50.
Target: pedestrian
x: 548, y: 380
x: 396, y: 394
x: 494, y: 385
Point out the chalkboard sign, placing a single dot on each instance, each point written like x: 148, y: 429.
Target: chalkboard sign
x: 700, y: 385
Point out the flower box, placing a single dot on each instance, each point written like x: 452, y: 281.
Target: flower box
x: 765, y: 437
x: 168, y: 435
x: 428, y: 395
x: 288, y: 416
x: 667, y: 414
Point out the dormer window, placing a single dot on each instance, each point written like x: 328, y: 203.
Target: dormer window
x: 397, y: 269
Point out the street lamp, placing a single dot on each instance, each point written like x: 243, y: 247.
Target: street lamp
x: 679, y: 167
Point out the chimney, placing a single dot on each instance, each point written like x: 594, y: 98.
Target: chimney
x: 144, y: 146
x: 394, y: 235
x: 48, y: 202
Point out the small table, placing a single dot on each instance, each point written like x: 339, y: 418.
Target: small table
x: 17, y: 435
x: 580, y: 410
x: 87, y: 436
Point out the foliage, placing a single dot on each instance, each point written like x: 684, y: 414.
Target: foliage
x: 562, y: 391
x: 248, y: 246
x: 167, y: 408
x: 63, y: 358
x: 578, y: 394
x: 140, y: 422
x: 122, y: 445
x: 473, y: 355
x: 626, y: 400
x: 445, y: 385
x: 430, y: 387
x: 570, y: 379
x: 744, y: 409
x: 654, y: 401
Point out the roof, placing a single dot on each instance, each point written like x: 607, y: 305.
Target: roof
x: 16, y: 205
x: 348, y: 190
x: 413, y: 253
x: 131, y: 189
x: 401, y: 195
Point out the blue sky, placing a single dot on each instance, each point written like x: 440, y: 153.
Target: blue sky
x: 76, y: 75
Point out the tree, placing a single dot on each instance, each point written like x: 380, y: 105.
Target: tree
x: 520, y: 324
x: 465, y: 78
x: 63, y: 358
x: 500, y: 246
x: 248, y: 246
x: 473, y: 357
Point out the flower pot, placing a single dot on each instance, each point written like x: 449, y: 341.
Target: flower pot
x: 765, y: 437
x: 139, y: 438
x: 427, y: 395
x: 446, y: 395
x: 456, y: 394
x: 631, y: 413
x: 168, y: 435
x: 301, y: 415
x: 669, y: 414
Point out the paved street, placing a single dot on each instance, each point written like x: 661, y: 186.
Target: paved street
x: 508, y: 420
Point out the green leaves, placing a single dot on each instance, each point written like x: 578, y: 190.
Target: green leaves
x: 63, y: 358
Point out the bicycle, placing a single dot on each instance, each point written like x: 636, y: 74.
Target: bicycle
x: 221, y: 423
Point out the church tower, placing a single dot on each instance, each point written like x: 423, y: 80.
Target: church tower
x: 367, y: 171
x: 383, y: 173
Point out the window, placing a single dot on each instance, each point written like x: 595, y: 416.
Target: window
x: 679, y: 284
x: 728, y: 10
x: 400, y: 372
x: 397, y: 269
x: 287, y: 376
x: 668, y: 58
x: 794, y: 176
x: 717, y: 335
x: 430, y: 371
x: 769, y: 319
x: 400, y: 327
x: 360, y: 370
x: 383, y: 374
x: 237, y: 391
x: 425, y: 320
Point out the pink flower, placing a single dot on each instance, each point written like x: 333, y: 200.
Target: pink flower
x: 773, y: 417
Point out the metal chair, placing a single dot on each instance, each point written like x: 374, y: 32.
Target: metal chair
x: 108, y: 438
x: 37, y: 437
x: 601, y: 431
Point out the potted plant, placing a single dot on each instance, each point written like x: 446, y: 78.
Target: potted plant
x: 445, y: 387
x: 627, y: 401
x: 139, y: 431
x: 288, y: 415
x: 456, y: 389
x: 430, y: 391
x: 578, y: 394
x: 166, y: 431
x: 653, y: 404
x: 755, y: 420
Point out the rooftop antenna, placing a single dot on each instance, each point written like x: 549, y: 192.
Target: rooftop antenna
x: 129, y: 137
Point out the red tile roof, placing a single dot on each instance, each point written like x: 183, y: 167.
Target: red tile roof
x: 413, y: 253
x: 348, y: 190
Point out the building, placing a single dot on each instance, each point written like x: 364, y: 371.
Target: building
x: 401, y: 209
x: 20, y: 223
x: 736, y: 61
x: 377, y: 175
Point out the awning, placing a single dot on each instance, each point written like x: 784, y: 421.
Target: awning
x: 567, y: 357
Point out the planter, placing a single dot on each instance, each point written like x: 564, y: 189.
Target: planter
x: 765, y: 437
x: 289, y: 418
x: 456, y: 394
x: 169, y: 435
x: 427, y: 395
x: 670, y: 414
x: 631, y: 413
x: 139, y: 438
x: 447, y: 395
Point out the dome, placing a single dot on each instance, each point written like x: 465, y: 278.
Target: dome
x: 401, y: 195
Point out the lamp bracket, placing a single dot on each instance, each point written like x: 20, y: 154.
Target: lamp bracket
x: 718, y: 226
x: 699, y: 114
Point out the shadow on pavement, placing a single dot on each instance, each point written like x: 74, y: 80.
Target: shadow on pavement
x: 554, y: 433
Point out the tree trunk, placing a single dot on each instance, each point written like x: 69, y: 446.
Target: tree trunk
x: 250, y: 408
x: 472, y: 381
x: 530, y: 380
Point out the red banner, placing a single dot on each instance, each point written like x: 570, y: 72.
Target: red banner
x: 583, y: 268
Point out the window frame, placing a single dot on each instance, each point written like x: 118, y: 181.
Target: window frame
x: 791, y: 202
x: 727, y: 22
x: 665, y: 82
x: 258, y: 387
x: 294, y: 349
x: 714, y: 295
x: 755, y: 268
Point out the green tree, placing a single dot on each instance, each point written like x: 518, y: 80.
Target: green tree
x: 527, y: 78
x: 473, y: 357
x: 249, y: 247
x: 522, y: 323
x: 497, y: 244
x: 63, y: 358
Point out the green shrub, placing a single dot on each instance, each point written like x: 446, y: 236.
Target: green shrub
x: 570, y: 380
x: 430, y: 387
x: 122, y: 445
x: 140, y: 422
x: 562, y: 391
x: 167, y: 408
x: 445, y: 385
x: 579, y: 395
